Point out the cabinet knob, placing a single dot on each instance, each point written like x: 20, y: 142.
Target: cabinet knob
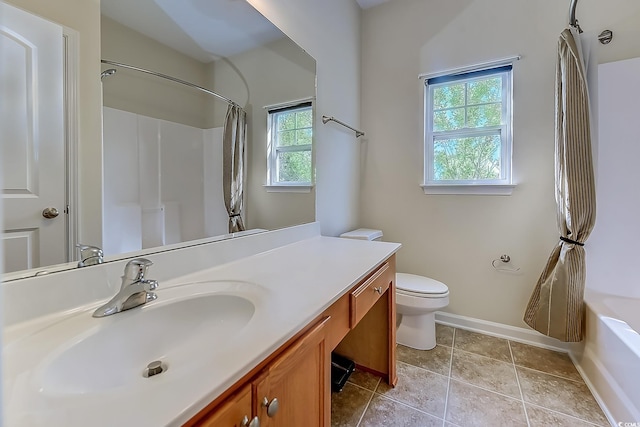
x: 378, y: 290
x: 272, y: 406
x: 255, y: 422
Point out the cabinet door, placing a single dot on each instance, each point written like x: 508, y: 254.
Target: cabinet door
x: 234, y: 412
x: 300, y: 381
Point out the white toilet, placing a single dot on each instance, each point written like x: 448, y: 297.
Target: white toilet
x: 417, y: 300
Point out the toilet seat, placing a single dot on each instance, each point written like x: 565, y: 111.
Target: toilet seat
x: 420, y: 286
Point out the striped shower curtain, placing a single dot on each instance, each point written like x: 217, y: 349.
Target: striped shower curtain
x: 556, y: 307
x: 234, y: 141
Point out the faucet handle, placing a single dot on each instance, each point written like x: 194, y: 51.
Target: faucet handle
x: 150, y: 285
x: 136, y: 269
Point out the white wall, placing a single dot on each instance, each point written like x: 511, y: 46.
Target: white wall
x: 613, y: 257
x: 147, y: 95
x: 329, y: 30
x: 455, y: 238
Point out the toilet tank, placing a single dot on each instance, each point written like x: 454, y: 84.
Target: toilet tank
x: 363, y: 234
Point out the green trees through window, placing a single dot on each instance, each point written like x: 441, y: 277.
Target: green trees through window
x: 468, y: 119
x: 467, y: 158
x: 291, y: 136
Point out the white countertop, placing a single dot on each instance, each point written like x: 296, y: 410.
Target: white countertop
x: 296, y: 283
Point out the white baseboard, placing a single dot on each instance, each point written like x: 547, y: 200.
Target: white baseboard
x: 522, y: 335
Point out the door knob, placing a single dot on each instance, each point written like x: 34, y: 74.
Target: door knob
x: 50, y: 213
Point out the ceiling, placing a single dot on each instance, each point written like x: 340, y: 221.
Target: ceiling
x: 202, y: 29
x: 205, y: 30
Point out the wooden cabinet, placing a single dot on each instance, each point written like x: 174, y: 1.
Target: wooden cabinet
x: 235, y: 412
x: 293, y: 390
x: 292, y: 387
x: 300, y: 381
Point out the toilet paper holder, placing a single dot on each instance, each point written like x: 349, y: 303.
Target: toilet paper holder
x: 500, y: 264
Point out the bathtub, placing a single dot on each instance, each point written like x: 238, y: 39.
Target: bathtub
x: 610, y: 357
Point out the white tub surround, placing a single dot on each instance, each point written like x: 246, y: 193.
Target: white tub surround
x: 163, y: 182
x: 293, y: 275
x: 611, y: 355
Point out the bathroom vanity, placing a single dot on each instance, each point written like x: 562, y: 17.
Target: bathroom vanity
x: 291, y: 387
x: 237, y: 324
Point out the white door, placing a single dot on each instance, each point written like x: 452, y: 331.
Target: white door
x: 32, y: 156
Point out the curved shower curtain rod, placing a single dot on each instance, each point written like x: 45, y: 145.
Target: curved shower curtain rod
x: 572, y: 16
x: 173, y: 79
x: 604, y: 37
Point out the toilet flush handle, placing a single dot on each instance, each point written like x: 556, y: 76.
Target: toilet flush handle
x: 378, y: 290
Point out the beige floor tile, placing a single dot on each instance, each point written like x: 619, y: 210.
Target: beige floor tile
x: 348, y: 406
x: 471, y: 406
x: 551, y: 362
x: 485, y: 372
x: 561, y: 395
x: 418, y: 388
x: 444, y: 335
x: 385, y: 412
x: 364, y: 379
x: 437, y: 360
x: 483, y: 378
x: 539, y: 417
x: 484, y: 345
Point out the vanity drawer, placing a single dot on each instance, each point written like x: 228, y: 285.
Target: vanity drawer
x: 366, y: 295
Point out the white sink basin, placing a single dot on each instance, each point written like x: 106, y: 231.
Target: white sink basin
x: 182, y: 329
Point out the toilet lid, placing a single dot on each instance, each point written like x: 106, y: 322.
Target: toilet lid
x: 419, y: 284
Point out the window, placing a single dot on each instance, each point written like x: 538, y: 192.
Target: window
x: 468, y: 132
x: 289, y: 142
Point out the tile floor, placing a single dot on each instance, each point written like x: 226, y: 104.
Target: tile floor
x: 470, y: 379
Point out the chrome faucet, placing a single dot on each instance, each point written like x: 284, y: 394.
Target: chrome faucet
x: 134, y: 291
x: 89, y: 255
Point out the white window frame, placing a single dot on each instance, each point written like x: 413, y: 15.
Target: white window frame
x: 503, y: 185
x: 273, y: 185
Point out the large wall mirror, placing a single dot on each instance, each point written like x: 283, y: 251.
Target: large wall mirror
x: 162, y: 140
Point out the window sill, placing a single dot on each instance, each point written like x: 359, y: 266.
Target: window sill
x: 302, y: 188
x: 472, y: 189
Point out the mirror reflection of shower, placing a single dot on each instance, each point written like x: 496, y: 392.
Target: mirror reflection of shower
x: 163, y: 179
x: 107, y: 73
